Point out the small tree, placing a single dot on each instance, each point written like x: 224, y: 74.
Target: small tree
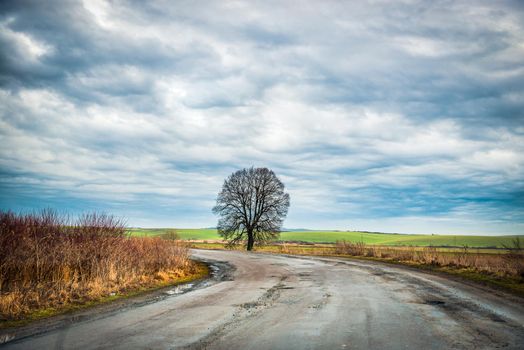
x: 252, y: 205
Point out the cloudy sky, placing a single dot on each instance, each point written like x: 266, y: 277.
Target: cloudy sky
x: 396, y: 116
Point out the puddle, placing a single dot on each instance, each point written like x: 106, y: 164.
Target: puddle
x: 180, y: 289
x: 219, y: 271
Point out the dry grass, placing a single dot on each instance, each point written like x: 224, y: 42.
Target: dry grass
x: 50, y: 261
x: 510, y: 264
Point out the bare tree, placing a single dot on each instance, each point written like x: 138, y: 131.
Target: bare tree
x: 252, y: 206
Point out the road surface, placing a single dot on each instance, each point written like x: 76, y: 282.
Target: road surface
x: 279, y: 302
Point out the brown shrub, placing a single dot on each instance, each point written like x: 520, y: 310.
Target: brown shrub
x: 515, y: 257
x: 509, y: 264
x: 356, y: 249
x: 48, y: 260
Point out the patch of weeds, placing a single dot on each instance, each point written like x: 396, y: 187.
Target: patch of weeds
x: 200, y: 271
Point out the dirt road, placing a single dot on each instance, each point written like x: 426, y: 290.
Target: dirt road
x: 278, y: 302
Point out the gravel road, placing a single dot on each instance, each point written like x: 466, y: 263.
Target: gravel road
x: 280, y: 302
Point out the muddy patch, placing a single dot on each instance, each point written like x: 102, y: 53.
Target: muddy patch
x: 268, y: 298
x: 244, y: 310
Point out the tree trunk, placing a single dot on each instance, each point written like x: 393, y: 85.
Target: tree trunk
x: 250, y: 240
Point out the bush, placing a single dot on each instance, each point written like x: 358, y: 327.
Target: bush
x: 48, y: 260
x: 509, y: 264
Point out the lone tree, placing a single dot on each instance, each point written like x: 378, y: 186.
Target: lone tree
x: 252, y: 205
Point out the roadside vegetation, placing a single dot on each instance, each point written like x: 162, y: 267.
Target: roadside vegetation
x: 50, y: 263
x: 503, y: 269
x: 509, y: 264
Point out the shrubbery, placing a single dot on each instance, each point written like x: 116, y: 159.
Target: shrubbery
x: 49, y: 260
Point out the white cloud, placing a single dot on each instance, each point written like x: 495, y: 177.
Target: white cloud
x: 350, y: 103
x: 27, y: 48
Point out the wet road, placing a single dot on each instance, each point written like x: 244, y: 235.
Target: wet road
x: 279, y: 302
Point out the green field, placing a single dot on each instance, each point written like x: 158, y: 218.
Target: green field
x: 191, y: 233
x: 366, y: 237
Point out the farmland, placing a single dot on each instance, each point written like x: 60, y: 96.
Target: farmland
x: 386, y: 239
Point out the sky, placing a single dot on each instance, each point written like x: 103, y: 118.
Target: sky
x: 392, y: 116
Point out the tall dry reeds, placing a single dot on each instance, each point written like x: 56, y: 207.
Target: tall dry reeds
x: 49, y: 260
x: 515, y: 256
x: 509, y: 264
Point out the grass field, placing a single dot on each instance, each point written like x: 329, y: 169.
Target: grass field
x: 187, y: 234
x: 351, y: 236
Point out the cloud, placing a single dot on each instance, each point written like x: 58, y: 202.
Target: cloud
x: 392, y: 116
